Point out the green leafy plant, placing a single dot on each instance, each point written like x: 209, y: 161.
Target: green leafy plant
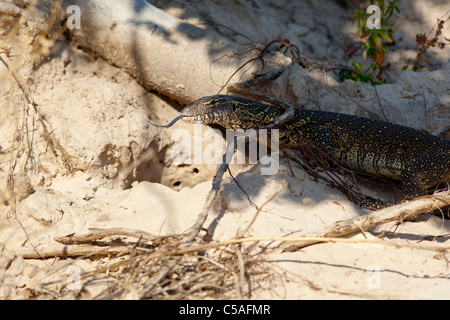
x: 374, y: 44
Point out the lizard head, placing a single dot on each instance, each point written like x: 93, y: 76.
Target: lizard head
x: 230, y: 112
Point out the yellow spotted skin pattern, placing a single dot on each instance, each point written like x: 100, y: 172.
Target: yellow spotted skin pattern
x: 418, y: 159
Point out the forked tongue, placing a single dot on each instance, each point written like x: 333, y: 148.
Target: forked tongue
x: 171, y: 122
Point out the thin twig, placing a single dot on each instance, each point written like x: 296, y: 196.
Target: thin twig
x: 143, y: 294
x: 243, y: 232
x: 241, y: 264
x: 213, y: 192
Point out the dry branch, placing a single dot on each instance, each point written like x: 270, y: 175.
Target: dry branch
x: 81, y: 245
x: 398, y: 213
x: 69, y: 251
x: 97, y: 233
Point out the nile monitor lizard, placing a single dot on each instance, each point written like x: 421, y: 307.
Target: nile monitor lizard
x: 418, y: 159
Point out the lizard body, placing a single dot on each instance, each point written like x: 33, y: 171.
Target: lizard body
x: 418, y: 159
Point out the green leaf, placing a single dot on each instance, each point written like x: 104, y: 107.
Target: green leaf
x: 358, y: 66
x: 378, y: 43
x: 396, y: 9
x: 386, y: 36
x: 371, y: 52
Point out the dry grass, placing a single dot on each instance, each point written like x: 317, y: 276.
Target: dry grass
x: 24, y: 46
x: 157, y: 268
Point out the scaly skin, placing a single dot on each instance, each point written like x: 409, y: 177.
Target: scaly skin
x: 418, y: 159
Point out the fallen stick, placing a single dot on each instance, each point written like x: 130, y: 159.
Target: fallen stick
x: 398, y: 213
x: 69, y: 251
x: 97, y: 233
x: 313, y: 240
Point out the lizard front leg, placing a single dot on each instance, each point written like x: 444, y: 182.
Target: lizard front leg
x: 424, y: 172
